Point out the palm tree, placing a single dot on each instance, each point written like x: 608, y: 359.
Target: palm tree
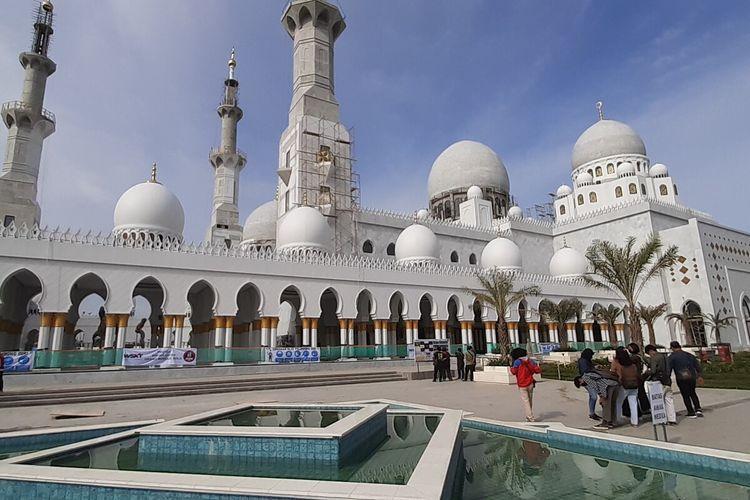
x: 499, y: 293
x: 649, y: 314
x: 608, y: 315
x: 626, y: 271
x: 685, y: 320
x: 718, y: 322
x: 561, y: 313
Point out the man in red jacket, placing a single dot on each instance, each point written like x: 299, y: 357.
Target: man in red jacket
x: 524, y: 369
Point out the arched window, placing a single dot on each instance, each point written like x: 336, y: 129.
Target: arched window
x: 610, y: 168
x: 632, y: 188
x: 643, y: 189
x: 592, y: 197
x: 391, y: 249
x: 454, y: 256
x: 598, y: 171
x: 618, y: 192
x: 448, y: 211
x: 638, y: 166
x: 473, y: 259
x: 746, y: 313
x: 675, y: 189
x: 663, y: 190
x: 697, y: 330
x: 367, y: 247
x: 591, y: 172
x: 580, y: 199
x: 562, y: 209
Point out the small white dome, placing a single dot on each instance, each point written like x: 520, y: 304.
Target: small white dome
x: 466, y: 164
x: 584, y: 178
x: 568, y: 263
x: 149, y: 207
x: 260, y: 225
x: 515, y: 212
x: 502, y: 254
x: 303, y: 228
x: 659, y: 170
x: 606, y: 138
x: 417, y: 243
x: 563, y: 191
x: 423, y: 214
x: 474, y: 192
x: 626, y: 168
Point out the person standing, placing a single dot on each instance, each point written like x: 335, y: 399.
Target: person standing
x: 436, y: 368
x: 447, y: 364
x: 635, y: 354
x: 471, y: 364
x: 606, y: 386
x: 687, y: 373
x: 459, y: 364
x: 2, y: 369
x: 585, y: 365
x: 656, y: 372
x: 524, y: 369
x: 627, y: 373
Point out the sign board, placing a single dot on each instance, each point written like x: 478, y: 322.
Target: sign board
x: 424, y: 348
x: 548, y: 347
x: 655, y: 393
x: 18, y: 361
x: 159, y: 356
x: 283, y: 355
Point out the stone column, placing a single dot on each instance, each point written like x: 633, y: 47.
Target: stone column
x: 489, y: 334
x: 58, y: 330
x: 605, y: 332
x: 122, y: 329
x: 218, y: 324
x: 409, y: 332
x: 45, y: 326
x: 534, y: 332
x: 343, y: 337
x: 274, y: 333
x: 513, y: 332
x: 110, y: 320
x: 620, y: 329
x: 166, y: 331
x: 464, y: 333
x: 228, y: 331
x: 470, y: 332
x: 378, y: 332
x: 588, y: 333
x: 553, y: 337
x: 305, y: 331
x: 265, y: 331
x: 179, y: 329
x: 571, y: 332
x: 313, y: 332
x: 350, y: 332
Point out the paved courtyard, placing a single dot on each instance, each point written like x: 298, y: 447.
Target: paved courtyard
x: 724, y: 427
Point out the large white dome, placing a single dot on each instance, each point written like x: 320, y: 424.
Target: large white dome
x: 260, y: 225
x: 465, y: 164
x: 568, y: 263
x: 502, y: 254
x: 303, y: 228
x: 417, y: 243
x: 606, y: 138
x: 151, y: 208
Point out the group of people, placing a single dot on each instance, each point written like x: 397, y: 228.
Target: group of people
x: 625, y: 388
x: 465, y: 364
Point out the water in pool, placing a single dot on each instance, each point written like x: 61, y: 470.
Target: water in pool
x: 497, y: 466
x: 277, y: 417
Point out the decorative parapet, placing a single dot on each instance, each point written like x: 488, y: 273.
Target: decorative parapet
x: 265, y: 253
x: 653, y: 202
x: 22, y: 106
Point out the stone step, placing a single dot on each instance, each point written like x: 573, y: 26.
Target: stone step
x: 136, y: 393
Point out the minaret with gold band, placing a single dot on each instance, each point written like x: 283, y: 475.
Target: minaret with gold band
x: 28, y: 125
x: 227, y: 161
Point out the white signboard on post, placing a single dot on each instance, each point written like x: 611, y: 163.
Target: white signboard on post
x: 424, y: 348
x: 159, y: 356
x: 655, y: 393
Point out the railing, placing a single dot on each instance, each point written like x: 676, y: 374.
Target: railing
x: 218, y: 151
x: 49, y: 115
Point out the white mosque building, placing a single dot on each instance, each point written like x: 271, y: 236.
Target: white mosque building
x: 311, y: 267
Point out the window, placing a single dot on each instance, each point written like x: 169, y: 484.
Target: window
x: 367, y: 247
x: 562, y: 209
x: 288, y: 160
x: 580, y: 199
x: 663, y: 190
x: 286, y: 201
x: 8, y: 220
x: 591, y: 172
x: 592, y: 197
x: 448, y: 211
x: 618, y: 192
x: 675, y: 189
x: 643, y: 189
x: 454, y: 256
x: 598, y: 171
x: 610, y: 169
x: 473, y: 262
x: 638, y: 166
x: 632, y: 188
x: 391, y: 250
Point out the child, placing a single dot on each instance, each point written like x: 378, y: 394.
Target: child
x: 524, y: 369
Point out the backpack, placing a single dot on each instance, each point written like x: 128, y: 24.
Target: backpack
x: 629, y: 377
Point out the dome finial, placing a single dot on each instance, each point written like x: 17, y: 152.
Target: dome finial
x: 600, y: 109
x: 153, y: 173
x: 232, y: 63
x: 47, y: 6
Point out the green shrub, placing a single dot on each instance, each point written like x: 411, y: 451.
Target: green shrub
x: 504, y: 361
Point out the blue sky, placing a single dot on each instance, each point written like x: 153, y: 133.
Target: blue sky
x: 139, y: 80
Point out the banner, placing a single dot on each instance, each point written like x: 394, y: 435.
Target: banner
x: 655, y: 393
x: 548, y: 347
x: 160, y: 356
x: 292, y: 355
x: 18, y: 361
x: 423, y: 349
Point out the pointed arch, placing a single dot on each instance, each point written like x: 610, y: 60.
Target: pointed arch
x: 18, y: 310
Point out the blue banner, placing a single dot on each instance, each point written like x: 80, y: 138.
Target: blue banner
x: 18, y: 361
x: 292, y: 355
x: 548, y: 347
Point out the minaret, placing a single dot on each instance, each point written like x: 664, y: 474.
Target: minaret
x: 315, y: 160
x: 28, y: 125
x: 228, y: 162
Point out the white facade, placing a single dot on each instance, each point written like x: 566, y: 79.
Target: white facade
x: 314, y: 268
